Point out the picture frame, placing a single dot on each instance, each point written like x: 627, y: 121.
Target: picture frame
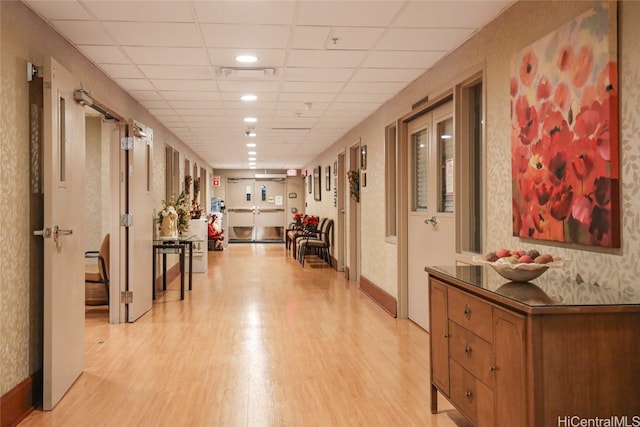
x: 293, y: 195
x: 363, y: 157
x: 335, y: 168
x: 309, y: 184
x: 565, y: 148
x: 317, y: 194
x: 327, y: 178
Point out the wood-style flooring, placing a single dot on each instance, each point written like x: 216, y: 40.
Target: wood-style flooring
x: 259, y: 341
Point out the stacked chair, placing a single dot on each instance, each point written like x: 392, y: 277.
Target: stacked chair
x: 317, y: 241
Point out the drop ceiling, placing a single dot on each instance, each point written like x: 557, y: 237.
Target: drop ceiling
x: 323, y: 66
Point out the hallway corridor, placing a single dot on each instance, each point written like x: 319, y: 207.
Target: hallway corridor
x: 259, y: 341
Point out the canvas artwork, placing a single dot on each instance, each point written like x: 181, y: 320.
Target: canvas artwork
x: 564, y: 139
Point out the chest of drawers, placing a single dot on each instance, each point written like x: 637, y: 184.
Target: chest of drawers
x: 513, y: 360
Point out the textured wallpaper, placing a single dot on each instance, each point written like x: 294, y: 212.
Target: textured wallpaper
x: 14, y: 214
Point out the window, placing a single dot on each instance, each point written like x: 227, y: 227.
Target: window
x: 419, y: 146
x: 445, y: 150
x: 391, y: 199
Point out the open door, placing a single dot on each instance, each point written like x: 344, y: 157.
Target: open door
x: 136, y: 161
x: 63, y: 233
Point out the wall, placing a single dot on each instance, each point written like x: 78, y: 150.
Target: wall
x: 491, y: 50
x: 25, y: 37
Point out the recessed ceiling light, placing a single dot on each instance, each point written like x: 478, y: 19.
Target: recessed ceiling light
x: 252, y: 159
x: 252, y: 153
x: 248, y: 97
x: 250, y: 133
x: 252, y: 167
x: 251, y: 144
x: 247, y: 59
x: 250, y: 119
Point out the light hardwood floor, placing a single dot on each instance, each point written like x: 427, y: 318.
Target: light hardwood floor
x: 260, y: 341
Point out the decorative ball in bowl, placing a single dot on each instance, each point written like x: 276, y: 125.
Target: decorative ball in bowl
x: 518, y: 265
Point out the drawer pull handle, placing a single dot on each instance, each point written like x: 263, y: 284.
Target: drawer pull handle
x: 469, y: 395
x: 445, y: 336
x: 467, y: 311
x: 492, y: 369
x: 468, y: 350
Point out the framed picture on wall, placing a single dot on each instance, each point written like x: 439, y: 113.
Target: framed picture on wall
x: 327, y: 178
x: 316, y: 183
x: 309, y: 184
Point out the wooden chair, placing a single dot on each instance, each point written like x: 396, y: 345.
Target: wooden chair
x: 96, y: 281
x: 319, y: 242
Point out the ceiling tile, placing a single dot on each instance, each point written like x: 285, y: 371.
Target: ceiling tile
x: 167, y: 55
x: 126, y: 71
x: 328, y: 59
x: 310, y: 37
x: 312, y: 87
x: 245, y: 36
x: 245, y: 12
x: 139, y: 11
x: 442, y: 39
x: 191, y: 72
x: 135, y: 84
x: 154, y: 34
x: 353, y: 38
x: 65, y: 9
x: 405, y: 75
x: 83, y: 32
x: 453, y: 14
x: 382, y: 59
x: 183, y: 85
x: 296, y: 74
x: 104, y: 54
x: 347, y: 13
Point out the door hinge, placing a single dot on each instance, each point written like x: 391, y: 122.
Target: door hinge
x: 126, y: 143
x: 126, y: 220
x: 126, y: 297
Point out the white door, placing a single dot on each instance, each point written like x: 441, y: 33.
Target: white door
x: 139, y: 235
x: 64, y: 158
x: 431, y: 224
x: 255, y: 210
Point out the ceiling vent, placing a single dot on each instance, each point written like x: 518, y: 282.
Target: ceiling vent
x: 247, y: 73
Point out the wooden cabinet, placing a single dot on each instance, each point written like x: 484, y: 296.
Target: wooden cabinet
x: 512, y: 360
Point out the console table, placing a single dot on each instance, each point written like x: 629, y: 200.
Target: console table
x: 535, y: 354
x: 179, y: 246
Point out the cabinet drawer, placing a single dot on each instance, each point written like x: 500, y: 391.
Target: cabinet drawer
x: 471, y: 396
x: 472, y: 353
x: 471, y: 313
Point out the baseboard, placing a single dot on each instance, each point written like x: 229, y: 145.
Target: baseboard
x: 172, y: 274
x: 380, y: 296
x: 20, y: 401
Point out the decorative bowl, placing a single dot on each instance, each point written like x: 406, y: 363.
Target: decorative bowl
x: 520, y: 272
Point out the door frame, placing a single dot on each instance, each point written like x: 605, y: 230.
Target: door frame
x: 404, y: 194
x: 354, y: 218
x: 341, y: 191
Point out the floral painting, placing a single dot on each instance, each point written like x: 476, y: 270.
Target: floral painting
x: 564, y: 138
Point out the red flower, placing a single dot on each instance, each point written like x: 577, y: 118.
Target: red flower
x: 583, y: 66
x: 527, y: 119
x: 561, y: 202
x: 528, y: 68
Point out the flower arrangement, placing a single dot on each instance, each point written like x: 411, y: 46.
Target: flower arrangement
x: 310, y: 221
x: 177, y: 207
x: 297, y: 218
x: 354, y: 184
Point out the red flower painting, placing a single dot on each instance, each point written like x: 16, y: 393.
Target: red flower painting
x: 564, y: 135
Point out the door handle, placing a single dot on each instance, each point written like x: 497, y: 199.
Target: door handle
x: 57, y: 231
x: 433, y: 221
